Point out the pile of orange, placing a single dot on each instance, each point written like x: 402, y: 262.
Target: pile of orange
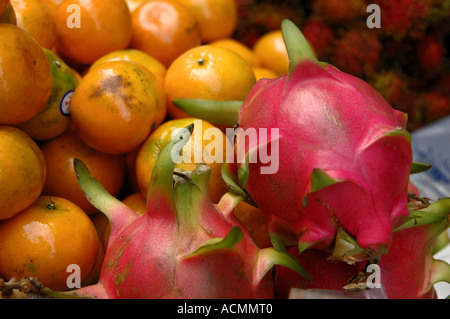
x: 94, y: 80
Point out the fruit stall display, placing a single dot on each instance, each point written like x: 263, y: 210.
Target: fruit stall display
x: 119, y: 177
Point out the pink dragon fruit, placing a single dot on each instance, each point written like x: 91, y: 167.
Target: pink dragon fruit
x: 344, y: 155
x: 407, y: 271
x: 325, y: 274
x: 184, y: 246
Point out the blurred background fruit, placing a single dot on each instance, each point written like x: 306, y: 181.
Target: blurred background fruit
x: 217, y: 18
x: 409, y: 50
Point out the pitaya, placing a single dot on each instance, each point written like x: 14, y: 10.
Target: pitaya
x: 344, y: 155
x: 407, y: 271
x: 184, y: 246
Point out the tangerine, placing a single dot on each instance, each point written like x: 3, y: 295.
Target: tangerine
x: 36, y: 18
x: 164, y: 29
x: 271, y: 52
x: 54, y: 118
x: 218, y: 18
x: 22, y: 171
x: 25, y: 75
x: 238, y: 47
x: 137, y: 56
x: 200, y: 149
x: 207, y: 72
x: 88, y: 29
x: 264, y: 73
x: 255, y: 221
x: 61, y: 179
x: 45, y: 239
x: 116, y: 105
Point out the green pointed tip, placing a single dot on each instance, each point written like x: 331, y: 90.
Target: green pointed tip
x: 399, y: 132
x: 269, y: 257
x: 297, y: 46
x: 244, y: 173
x: 320, y: 179
x: 347, y: 249
x: 94, y: 192
x: 117, y: 212
x: 216, y: 112
x: 162, y: 175
x: 303, y: 246
x: 440, y: 271
x: 417, y: 167
x: 233, y: 238
x: 437, y: 212
x: 233, y: 184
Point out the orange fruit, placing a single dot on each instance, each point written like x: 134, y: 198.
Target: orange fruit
x: 238, y: 47
x: 218, y: 18
x: 164, y: 29
x: 44, y: 239
x: 52, y: 4
x: 8, y: 15
x: 200, y: 144
x: 22, y: 171
x: 137, y: 56
x: 61, y: 180
x: 116, y: 105
x: 264, y: 73
x: 25, y: 75
x: 89, y: 29
x: 103, y: 228
x: 3, y: 5
x: 54, y: 118
x: 36, y: 18
x: 271, y: 52
x: 207, y: 72
x: 94, y: 275
x: 255, y: 221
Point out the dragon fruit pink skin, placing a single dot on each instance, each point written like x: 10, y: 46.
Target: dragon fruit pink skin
x: 344, y: 155
x: 330, y: 122
x: 183, y: 247
x: 407, y: 271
